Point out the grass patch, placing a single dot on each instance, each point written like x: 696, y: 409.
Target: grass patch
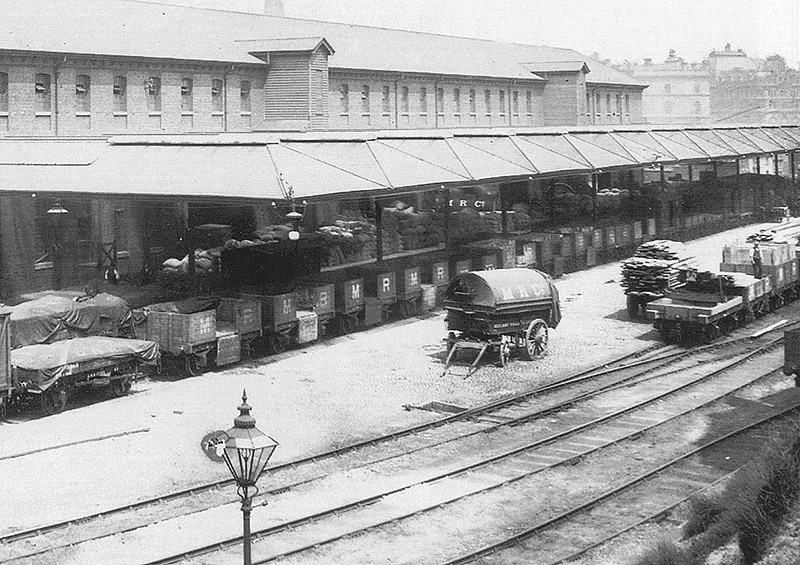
x: 750, y: 510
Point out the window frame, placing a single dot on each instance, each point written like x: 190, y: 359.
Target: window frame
x: 119, y: 94
x: 43, y: 93
x: 4, y: 95
x: 386, y: 100
x: 218, y: 99
x: 245, y: 102
x: 187, y: 96
x: 473, y: 104
x: 487, y: 101
x: 83, y: 94
x: 404, y: 105
x: 423, y: 101
x: 365, y: 106
x: 153, y: 91
x: 344, y: 99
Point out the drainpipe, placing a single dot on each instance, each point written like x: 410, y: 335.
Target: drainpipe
x: 436, y: 103
x: 55, y: 96
x: 396, y: 114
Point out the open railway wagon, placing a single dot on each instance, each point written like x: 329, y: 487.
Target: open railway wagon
x: 652, y: 271
x: 57, y: 345
x: 779, y: 264
x: 318, y: 297
x: 709, y: 305
x: 186, y: 330
x: 282, y: 322
x: 503, y: 310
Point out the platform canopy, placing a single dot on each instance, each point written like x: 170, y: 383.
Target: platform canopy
x: 334, y: 165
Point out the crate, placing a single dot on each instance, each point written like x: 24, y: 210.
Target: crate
x: 243, y: 315
x: 382, y: 285
x: 409, y: 285
x: 428, y: 297
x: 229, y: 350
x: 317, y: 297
x: 307, y: 326
x: 277, y: 310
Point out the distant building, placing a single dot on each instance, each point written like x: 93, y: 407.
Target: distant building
x: 746, y: 90
x: 679, y: 92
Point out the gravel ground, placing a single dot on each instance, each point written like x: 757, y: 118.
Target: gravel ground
x: 309, y: 400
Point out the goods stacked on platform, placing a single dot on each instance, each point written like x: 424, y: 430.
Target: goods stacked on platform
x: 762, y: 236
x: 206, y: 262
x: 416, y: 230
x: 348, y: 241
x: 652, y: 271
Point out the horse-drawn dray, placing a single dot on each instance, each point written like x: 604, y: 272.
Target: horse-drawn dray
x: 503, y: 310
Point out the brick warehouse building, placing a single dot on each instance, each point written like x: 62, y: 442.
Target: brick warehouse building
x: 103, y: 74
x: 385, y: 112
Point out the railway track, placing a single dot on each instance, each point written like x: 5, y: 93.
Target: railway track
x: 500, y: 415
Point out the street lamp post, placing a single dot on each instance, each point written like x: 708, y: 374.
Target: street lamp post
x: 247, y: 451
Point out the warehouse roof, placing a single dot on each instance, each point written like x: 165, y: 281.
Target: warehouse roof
x: 334, y: 165
x: 127, y: 28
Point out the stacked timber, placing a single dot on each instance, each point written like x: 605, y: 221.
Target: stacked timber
x: 654, y: 267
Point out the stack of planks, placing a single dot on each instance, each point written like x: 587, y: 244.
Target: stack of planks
x: 654, y: 267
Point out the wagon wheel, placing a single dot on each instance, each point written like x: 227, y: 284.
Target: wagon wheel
x: 191, y: 366
x: 276, y: 342
x: 54, y: 400
x: 632, y: 304
x: 536, y: 339
x: 403, y: 309
x: 121, y: 387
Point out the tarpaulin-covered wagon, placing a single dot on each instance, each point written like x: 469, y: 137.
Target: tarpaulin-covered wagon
x: 505, y: 310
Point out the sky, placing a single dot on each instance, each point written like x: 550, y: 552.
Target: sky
x: 616, y: 29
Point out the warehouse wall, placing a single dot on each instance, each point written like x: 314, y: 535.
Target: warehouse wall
x: 65, y: 118
x: 365, y: 101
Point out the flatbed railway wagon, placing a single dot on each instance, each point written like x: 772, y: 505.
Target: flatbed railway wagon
x: 502, y: 310
x: 51, y: 346
x: 709, y: 305
x: 53, y: 371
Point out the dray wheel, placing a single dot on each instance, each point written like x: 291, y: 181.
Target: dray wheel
x: 54, y: 400
x: 535, y: 339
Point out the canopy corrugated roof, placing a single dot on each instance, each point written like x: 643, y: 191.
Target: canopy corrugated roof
x: 329, y: 165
